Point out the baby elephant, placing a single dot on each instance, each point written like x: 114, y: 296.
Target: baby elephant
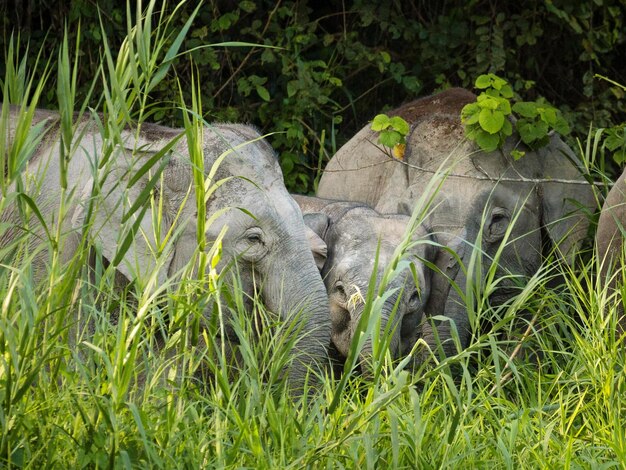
x: 353, y: 233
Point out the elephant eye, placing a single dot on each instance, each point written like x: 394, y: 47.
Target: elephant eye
x: 415, y: 299
x: 254, y: 236
x: 497, y: 225
x: 252, y: 245
x: 341, y: 291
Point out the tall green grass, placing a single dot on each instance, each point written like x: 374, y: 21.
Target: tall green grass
x: 95, y: 374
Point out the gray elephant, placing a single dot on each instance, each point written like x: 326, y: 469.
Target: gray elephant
x: 512, y: 210
x: 610, y: 242
x: 354, y: 234
x: 260, y: 226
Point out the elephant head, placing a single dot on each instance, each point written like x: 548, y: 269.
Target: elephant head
x: 247, y: 207
x: 483, y: 206
x: 357, y: 236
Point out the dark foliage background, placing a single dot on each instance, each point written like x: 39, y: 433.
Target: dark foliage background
x: 336, y: 64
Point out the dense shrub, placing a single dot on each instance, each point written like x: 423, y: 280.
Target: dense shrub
x: 330, y: 66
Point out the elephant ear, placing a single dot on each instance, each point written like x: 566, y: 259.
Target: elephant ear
x: 566, y: 205
x: 316, y: 225
x: 122, y: 219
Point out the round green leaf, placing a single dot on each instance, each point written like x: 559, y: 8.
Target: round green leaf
x: 506, y: 91
x: 561, y: 126
x: 399, y: 125
x: 389, y: 138
x: 469, y: 113
x: 487, y: 102
x: 380, y: 122
x: 487, y: 142
x: 491, y: 121
x: 483, y: 81
x: 526, y: 109
x: 548, y: 114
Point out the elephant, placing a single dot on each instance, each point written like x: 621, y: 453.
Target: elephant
x: 354, y: 234
x: 510, y: 211
x: 247, y: 208
x: 610, y: 242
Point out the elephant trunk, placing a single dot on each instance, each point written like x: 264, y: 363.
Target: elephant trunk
x: 446, y: 301
x: 298, y: 295
x: 389, y: 324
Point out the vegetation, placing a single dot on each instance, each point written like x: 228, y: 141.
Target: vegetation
x: 487, y: 121
x: 329, y: 67
x: 152, y: 389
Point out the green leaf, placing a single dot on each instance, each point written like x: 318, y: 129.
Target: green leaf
x: 561, y: 126
x: 487, y: 142
x: 548, y: 115
x: 542, y: 129
x: 619, y: 157
x: 491, y: 121
x: 614, y: 140
x: 507, y: 128
x: 247, y: 6
x: 390, y: 138
x: 380, y: 122
x: 531, y: 131
x: 526, y: 109
x: 335, y: 81
x: 470, y: 118
x: 483, y: 81
x: 400, y: 125
x: 505, y: 106
x: 472, y: 131
x: 292, y: 87
x: 487, y: 102
x: 469, y: 113
x: 517, y: 154
x: 506, y: 91
x: 497, y: 82
x: 262, y: 92
x: 524, y: 129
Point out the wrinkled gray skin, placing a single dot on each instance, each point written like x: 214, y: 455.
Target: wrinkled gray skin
x: 479, y: 186
x: 610, y: 241
x: 352, y: 233
x: 270, y: 248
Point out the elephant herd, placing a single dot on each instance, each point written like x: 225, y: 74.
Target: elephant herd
x: 459, y: 215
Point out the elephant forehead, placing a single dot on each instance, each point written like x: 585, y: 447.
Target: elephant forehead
x: 512, y: 196
x: 361, y: 252
x: 270, y: 208
x: 243, y: 150
x: 354, y: 267
x: 365, y: 227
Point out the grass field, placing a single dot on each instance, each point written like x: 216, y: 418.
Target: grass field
x: 152, y: 389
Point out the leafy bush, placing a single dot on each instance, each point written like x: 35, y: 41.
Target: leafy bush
x: 327, y: 68
x: 487, y: 120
